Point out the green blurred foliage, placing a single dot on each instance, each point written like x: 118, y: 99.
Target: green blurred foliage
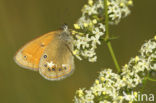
x: 23, y: 20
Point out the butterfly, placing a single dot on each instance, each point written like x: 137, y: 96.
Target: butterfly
x: 50, y: 54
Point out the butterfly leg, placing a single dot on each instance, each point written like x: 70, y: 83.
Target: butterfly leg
x: 69, y: 49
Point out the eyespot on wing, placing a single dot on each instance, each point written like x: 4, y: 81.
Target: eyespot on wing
x: 55, y: 73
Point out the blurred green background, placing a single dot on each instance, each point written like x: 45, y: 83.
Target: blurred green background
x: 23, y: 20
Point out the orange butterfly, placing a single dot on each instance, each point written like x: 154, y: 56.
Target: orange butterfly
x: 50, y: 54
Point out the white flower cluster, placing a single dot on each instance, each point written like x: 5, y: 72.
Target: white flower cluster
x: 90, y: 27
x: 118, y: 9
x: 148, y: 51
x: 110, y: 87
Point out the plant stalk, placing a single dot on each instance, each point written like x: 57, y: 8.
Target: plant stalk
x: 107, y: 37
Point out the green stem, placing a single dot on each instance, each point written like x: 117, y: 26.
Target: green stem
x: 113, y: 56
x: 107, y: 37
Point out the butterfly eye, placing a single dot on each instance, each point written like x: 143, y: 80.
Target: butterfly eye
x: 25, y: 56
x: 45, y: 56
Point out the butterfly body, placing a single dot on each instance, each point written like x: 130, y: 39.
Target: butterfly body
x: 49, y: 55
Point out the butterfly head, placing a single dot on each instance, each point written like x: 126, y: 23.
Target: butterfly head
x: 65, y: 27
x: 65, y: 35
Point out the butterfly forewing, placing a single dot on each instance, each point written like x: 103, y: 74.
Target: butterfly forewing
x: 57, y: 61
x: 29, y: 55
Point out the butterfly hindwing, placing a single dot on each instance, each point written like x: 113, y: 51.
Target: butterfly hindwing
x: 57, y: 61
x: 29, y: 55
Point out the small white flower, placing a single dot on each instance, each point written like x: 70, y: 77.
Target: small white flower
x: 89, y: 10
x: 82, y: 42
x: 88, y: 53
x: 95, y: 39
x: 89, y: 96
x: 102, y: 26
x: 93, y: 59
x: 96, y: 31
x: 100, y: 4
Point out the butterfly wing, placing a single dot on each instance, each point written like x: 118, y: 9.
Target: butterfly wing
x: 57, y: 61
x: 29, y: 55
